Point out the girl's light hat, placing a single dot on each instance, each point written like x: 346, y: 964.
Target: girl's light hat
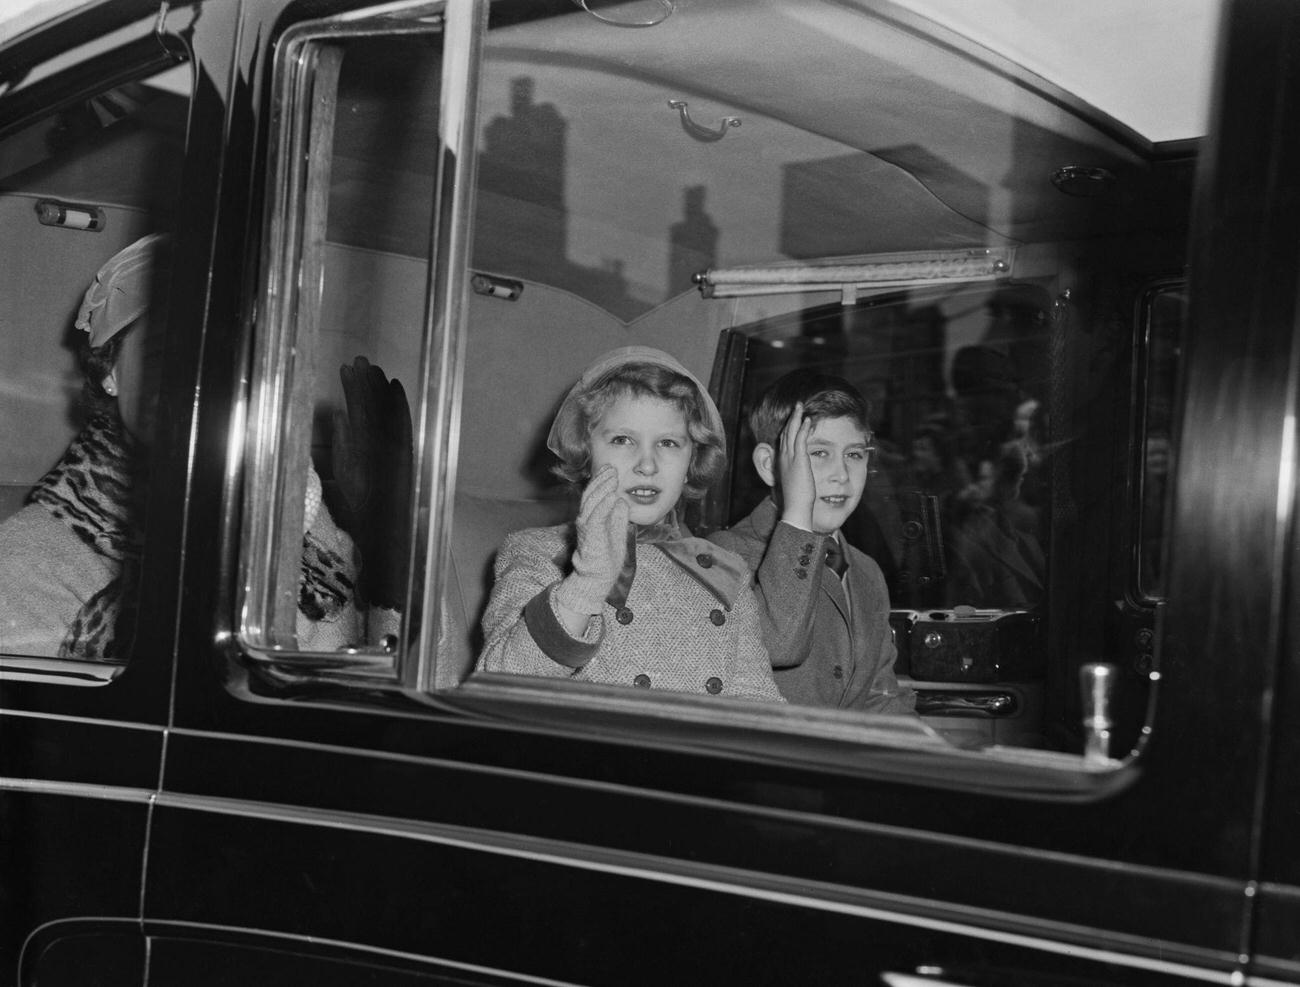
x: 568, y: 418
x: 123, y: 288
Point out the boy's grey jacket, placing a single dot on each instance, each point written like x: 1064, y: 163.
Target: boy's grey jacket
x: 690, y: 621
x: 824, y: 652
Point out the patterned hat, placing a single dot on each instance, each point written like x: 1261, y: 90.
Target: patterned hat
x: 123, y: 288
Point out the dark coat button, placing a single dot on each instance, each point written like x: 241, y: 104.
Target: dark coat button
x: 718, y: 617
x: 624, y: 615
x: 808, y: 548
x: 714, y: 684
x: 838, y: 671
x: 705, y: 560
x: 642, y: 680
x: 801, y: 573
x: 805, y: 560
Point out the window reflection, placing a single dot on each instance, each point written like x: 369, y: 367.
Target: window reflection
x: 958, y: 503
x: 359, y: 156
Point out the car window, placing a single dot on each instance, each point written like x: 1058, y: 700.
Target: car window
x: 989, y: 259
x: 982, y: 488
x: 92, y: 187
x: 342, y: 345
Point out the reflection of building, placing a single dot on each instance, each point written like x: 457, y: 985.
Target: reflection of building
x: 522, y: 218
x: 523, y: 157
x: 693, y: 242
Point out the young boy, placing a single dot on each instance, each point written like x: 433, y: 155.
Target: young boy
x: 827, y: 634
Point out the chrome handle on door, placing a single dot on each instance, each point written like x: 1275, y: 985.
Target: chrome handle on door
x: 925, y: 976
x: 1097, y: 683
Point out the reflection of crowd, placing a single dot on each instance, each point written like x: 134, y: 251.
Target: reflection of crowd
x: 967, y: 498
x: 995, y: 555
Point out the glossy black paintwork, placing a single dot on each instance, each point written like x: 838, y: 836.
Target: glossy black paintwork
x: 286, y: 831
x: 1241, y: 390
x: 497, y: 909
x: 81, y: 752
x: 190, y: 956
x: 65, y: 855
x: 757, y: 821
x: 86, y: 952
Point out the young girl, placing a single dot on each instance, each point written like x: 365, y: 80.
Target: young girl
x: 624, y: 594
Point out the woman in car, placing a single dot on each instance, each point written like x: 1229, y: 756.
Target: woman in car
x: 69, y: 559
x: 624, y: 594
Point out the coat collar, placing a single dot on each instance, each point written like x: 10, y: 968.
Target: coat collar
x: 724, y: 574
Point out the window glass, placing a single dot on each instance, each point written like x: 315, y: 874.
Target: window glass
x: 956, y: 507
x: 955, y: 501
x: 86, y: 202
x: 961, y: 241
x: 341, y: 344
x: 757, y: 188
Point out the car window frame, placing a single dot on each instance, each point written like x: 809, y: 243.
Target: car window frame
x: 409, y: 667
x: 1148, y: 593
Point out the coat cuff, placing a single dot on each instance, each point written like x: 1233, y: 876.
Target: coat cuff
x: 551, y: 636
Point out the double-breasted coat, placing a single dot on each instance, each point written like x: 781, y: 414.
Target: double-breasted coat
x: 689, y: 621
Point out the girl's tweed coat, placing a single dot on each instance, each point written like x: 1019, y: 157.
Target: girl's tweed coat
x: 689, y: 622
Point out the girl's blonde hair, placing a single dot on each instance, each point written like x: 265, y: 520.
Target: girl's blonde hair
x: 571, y: 438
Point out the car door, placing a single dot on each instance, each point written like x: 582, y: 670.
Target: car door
x: 98, y: 152
x: 384, y: 803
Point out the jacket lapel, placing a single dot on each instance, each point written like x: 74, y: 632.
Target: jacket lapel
x: 834, y: 588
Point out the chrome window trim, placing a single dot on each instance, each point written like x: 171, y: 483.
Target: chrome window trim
x: 59, y: 671
x: 269, y: 415
x: 822, y: 738
x: 1140, y: 401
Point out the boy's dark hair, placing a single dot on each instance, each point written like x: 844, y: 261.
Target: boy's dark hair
x: 823, y: 396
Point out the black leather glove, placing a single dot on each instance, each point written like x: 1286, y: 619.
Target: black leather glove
x: 373, y: 455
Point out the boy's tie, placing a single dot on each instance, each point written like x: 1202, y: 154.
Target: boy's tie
x: 835, y: 559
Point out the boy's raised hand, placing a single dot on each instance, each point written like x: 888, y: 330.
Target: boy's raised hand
x: 798, y: 488
x: 602, y: 545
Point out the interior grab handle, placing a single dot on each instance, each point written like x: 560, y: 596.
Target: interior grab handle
x: 702, y: 133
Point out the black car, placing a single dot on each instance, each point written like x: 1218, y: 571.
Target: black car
x: 244, y: 733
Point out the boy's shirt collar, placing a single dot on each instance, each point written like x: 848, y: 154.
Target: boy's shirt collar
x: 767, y: 516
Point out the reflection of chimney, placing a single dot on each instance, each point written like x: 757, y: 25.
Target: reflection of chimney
x: 521, y: 95
x: 523, y: 162
x: 693, y: 242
